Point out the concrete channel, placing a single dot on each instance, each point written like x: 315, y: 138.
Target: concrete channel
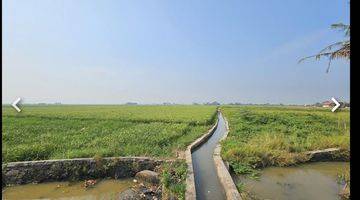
x: 208, y: 175
x: 207, y: 182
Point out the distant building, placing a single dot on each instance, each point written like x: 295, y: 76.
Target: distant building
x: 327, y: 104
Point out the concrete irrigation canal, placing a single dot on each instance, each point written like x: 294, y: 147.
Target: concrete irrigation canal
x: 207, y: 183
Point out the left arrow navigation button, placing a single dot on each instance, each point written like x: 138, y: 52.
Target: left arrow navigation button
x: 15, y: 104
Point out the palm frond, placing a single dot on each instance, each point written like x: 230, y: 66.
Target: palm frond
x: 342, y: 51
x: 337, y: 44
x: 316, y: 56
x: 342, y: 27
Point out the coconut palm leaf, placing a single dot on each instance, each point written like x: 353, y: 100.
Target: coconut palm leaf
x: 342, y: 49
x: 342, y: 27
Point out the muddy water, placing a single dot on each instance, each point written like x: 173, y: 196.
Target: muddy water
x: 105, y: 189
x: 207, y: 183
x: 308, y: 181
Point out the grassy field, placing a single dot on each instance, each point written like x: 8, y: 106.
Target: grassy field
x: 278, y: 136
x: 69, y: 131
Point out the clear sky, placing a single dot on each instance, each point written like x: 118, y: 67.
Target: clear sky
x: 182, y: 51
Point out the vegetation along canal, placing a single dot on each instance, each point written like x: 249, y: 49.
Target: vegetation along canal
x: 207, y: 183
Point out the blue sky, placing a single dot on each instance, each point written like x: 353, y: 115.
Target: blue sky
x: 182, y: 51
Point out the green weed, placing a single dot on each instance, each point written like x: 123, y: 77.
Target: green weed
x: 279, y: 136
x: 173, y: 177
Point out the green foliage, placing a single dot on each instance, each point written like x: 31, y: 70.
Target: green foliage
x: 240, y: 187
x: 173, y: 177
x: 344, y: 179
x: 64, y: 131
x: 246, y: 169
x: 279, y: 136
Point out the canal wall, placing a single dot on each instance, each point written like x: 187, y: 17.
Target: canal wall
x: 190, y: 193
x: 75, y: 169
x: 330, y: 154
x: 223, y: 170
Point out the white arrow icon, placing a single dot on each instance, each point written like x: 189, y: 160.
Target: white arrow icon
x: 337, y: 104
x: 15, y: 104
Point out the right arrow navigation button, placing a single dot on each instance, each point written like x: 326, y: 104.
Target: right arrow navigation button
x: 337, y: 105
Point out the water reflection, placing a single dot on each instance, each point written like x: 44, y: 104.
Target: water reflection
x: 307, y: 181
x: 105, y: 189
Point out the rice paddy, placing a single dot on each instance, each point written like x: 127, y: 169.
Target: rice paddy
x: 73, y: 131
x: 278, y: 136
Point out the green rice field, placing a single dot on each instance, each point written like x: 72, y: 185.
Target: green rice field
x: 279, y: 136
x: 73, y: 131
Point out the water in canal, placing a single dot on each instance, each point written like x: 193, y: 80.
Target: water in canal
x: 307, y: 181
x: 105, y: 189
x: 207, y: 183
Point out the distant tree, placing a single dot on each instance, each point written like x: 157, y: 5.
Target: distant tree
x: 212, y: 103
x: 337, y: 50
x: 318, y: 104
x: 131, y: 103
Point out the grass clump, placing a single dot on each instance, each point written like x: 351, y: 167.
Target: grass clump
x: 344, y: 179
x: 173, y: 177
x: 280, y: 136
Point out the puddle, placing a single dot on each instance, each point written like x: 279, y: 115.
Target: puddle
x: 105, y: 189
x: 307, y: 181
